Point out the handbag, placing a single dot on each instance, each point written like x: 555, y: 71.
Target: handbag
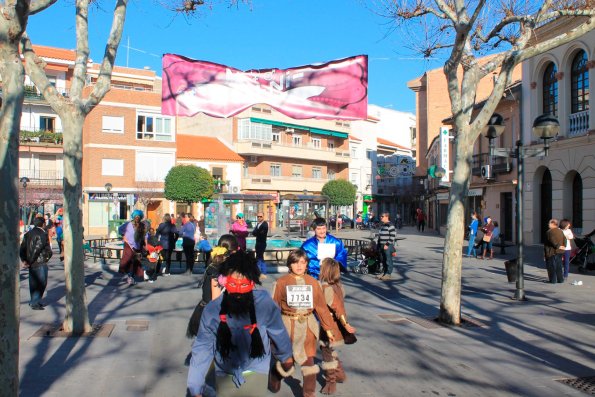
x: 487, y: 238
x: 348, y: 337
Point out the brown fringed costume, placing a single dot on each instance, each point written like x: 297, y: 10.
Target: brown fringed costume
x: 299, y: 297
x: 333, y: 369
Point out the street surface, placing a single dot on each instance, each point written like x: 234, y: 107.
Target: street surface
x: 518, y: 349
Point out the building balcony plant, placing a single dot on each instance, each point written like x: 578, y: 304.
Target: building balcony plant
x: 41, y: 137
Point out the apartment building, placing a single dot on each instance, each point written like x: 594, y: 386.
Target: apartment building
x: 561, y: 185
x: 128, y: 149
x: 280, y: 155
x: 432, y: 105
x: 40, y: 150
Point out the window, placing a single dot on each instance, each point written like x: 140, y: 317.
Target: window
x: 369, y: 154
x: 153, y: 166
x: 217, y: 173
x: 296, y: 171
x: 112, y: 167
x: 331, y: 175
x: 353, y: 152
x: 112, y: 124
x: 296, y: 140
x: 151, y: 127
x: 275, y: 169
x: 579, y: 88
x: 316, y: 172
x: 369, y: 179
x: 355, y: 178
x: 550, y: 90
x: 254, y: 131
x: 331, y: 144
x: 47, y: 123
x: 276, y: 137
x: 316, y: 143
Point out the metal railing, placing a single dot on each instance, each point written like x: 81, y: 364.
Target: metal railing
x: 578, y: 123
x: 43, y: 177
x: 500, y: 165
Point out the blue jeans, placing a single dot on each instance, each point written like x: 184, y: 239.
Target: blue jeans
x: 387, y: 258
x: 260, y: 248
x: 38, y: 280
x: 471, y: 246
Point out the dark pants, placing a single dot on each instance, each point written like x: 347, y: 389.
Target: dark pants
x: 130, y: 262
x: 553, y: 264
x: 260, y: 248
x: 38, y: 280
x: 188, y: 247
x: 167, y: 256
x: 387, y: 258
x: 421, y: 225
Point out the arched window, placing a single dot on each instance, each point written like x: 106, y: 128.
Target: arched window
x: 577, y: 201
x: 550, y: 90
x: 579, y: 86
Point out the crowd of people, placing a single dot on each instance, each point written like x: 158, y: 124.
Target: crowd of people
x: 246, y: 339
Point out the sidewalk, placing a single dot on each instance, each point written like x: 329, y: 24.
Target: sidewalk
x: 520, y: 348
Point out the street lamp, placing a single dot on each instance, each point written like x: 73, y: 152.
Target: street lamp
x: 545, y: 127
x: 24, y: 180
x: 304, y: 209
x: 108, y: 187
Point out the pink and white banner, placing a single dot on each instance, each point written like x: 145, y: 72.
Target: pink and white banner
x: 334, y: 90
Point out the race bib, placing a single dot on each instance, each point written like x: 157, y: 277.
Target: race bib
x: 300, y: 296
x: 326, y: 250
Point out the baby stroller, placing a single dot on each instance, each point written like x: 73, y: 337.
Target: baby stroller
x: 584, y: 255
x: 370, y: 260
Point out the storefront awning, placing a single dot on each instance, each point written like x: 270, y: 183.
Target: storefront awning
x: 313, y: 130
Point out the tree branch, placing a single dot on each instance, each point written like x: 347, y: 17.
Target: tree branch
x: 109, y: 58
x: 40, y: 5
x: 35, y: 68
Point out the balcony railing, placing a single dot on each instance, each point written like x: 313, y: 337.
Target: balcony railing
x: 578, y: 123
x: 43, y: 177
x: 54, y: 137
x: 500, y: 165
x: 276, y: 149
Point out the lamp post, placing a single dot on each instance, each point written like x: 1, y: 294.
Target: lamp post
x: 108, y: 187
x: 24, y: 180
x: 545, y: 127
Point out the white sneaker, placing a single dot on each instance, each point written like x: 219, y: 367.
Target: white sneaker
x: 145, y: 276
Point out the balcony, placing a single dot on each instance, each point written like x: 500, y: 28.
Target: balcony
x: 54, y: 137
x: 500, y: 165
x: 275, y: 149
x: 578, y: 123
x: 286, y: 183
x: 43, y: 177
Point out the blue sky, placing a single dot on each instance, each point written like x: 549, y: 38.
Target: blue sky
x: 266, y: 34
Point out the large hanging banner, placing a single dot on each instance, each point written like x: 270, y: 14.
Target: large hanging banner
x: 334, y: 90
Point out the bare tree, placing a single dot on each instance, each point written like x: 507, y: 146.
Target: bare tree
x: 466, y: 30
x: 147, y: 192
x: 13, y: 22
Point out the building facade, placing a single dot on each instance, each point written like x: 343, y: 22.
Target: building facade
x: 561, y: 185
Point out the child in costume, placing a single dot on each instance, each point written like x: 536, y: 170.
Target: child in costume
x: 330, y: 278
x: 300, y: 296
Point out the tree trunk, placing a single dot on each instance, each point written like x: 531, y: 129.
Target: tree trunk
x: 13, y: 77
x: 450, y: 302
x: 77, y: 316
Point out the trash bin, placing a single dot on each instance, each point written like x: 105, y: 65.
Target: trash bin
x: 511, y: 270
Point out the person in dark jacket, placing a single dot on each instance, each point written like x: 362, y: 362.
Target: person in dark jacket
x: 167, y: 234
x: 261, y: 230
x: 387, y: 236
x: 35, y: 252
x: 553, y: 248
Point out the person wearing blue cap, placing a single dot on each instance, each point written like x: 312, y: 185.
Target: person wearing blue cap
x: 134, y: 235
